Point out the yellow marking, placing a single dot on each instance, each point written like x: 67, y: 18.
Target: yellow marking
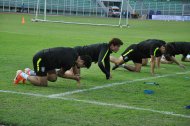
x: 128, y: 52
x: 38, y: 62
x: 155, y: 51
x: 105, y: 55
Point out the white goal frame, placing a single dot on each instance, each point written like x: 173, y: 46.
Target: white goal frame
x: 122, y: 21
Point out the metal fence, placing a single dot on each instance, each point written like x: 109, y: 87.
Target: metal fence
x: 91, y: 7
x: 55, y: 7
x: 16, y: 5
x: 160, y: 8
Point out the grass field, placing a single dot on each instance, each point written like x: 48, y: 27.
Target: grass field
x: 99, y: 102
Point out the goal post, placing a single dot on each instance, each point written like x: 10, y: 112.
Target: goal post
x: 124, y: 8
x: 83, y: 12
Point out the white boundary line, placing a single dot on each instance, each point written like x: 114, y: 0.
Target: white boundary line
x: 114, y: 84
x: 100, y: 103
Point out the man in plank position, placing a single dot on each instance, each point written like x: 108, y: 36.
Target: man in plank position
x: 45, y: 63
x: 150, y: 48
x: 100, y: 54
x: 176, y: 48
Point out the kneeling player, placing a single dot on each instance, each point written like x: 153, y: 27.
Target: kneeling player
x: 176, y: 48
x: 136, y: 52
x: 46, y: 62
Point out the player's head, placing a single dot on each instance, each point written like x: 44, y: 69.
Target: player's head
x: 162, y: 49
x: 115, y: 44
x: 162, y: 45
x: 167, y: 57
x: 84, y: 61
x: 169, y: 48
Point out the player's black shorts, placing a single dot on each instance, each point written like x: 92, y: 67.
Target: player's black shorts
x: 40, y: 63
x: 131, y: 53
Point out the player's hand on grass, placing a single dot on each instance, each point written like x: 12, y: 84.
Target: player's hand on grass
x: 157, y: 75
x: 152, y: 74
x: 78, y: 84
x: 182, y: 66
x: 78, y: 81
x: 108, y: 76
x: 78, y: 76
x: 158, y: 67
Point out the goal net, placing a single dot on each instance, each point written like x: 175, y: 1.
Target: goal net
x: 84, y: 12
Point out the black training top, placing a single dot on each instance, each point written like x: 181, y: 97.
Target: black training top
x: 60, y: 57
x: 99, y: 53
x: 180, y: 48
x: 150, y: 47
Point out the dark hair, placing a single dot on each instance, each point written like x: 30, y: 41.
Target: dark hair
x: 169, y: 48
x: 87, y: 60
x: 167, y: 57
x: 115, y: 42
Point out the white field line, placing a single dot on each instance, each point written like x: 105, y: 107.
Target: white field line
x: 115, y: 84
x: 100, y: 104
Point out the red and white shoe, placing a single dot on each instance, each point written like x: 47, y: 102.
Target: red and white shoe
x: 27, y: 71
x: 18, y: 77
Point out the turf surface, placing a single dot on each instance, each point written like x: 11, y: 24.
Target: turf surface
x: 18, y: 44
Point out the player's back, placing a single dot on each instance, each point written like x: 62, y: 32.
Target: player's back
x: 92, y: 50
x: 181, y: 47
x: 60, y: 56
x: 148, y: 46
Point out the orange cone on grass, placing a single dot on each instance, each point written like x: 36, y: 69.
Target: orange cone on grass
x: 23, y: 21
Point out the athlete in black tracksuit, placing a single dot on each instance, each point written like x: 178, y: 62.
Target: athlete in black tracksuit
x: 54, y: 58
x: 99, y: 53
x: 143, y: 50
x: 150, y: 47
x: 136, y: 52
x: 46, y: 62
x: 176, y: 48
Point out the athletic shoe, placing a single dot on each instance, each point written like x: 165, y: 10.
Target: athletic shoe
x: 27, y: 71
x: 18, y: 77
x: 115, y: 67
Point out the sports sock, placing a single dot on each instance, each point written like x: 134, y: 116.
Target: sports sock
x: 32, y: 73
x: 24, y: 75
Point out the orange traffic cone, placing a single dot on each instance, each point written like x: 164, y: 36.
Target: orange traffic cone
x: 23, y: 21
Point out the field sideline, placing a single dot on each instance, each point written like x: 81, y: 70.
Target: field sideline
x: 116, y: 102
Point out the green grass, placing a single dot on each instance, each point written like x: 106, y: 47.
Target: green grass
x: 18, y: 44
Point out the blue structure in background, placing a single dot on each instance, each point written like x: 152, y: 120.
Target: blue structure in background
x: 151, y: 12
